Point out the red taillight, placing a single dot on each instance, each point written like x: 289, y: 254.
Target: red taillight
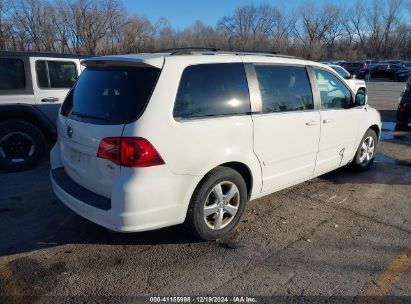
x: 110, y: 149
x: 129, y: 152
x: 138, y: 152
x: 402, y: 109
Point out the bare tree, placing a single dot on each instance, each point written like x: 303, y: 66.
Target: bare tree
x: 5, y: 25
x: 369, y: 29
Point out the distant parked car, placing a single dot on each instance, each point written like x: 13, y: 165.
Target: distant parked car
x: 404, y: 107
x: 32, y: 88
x: 356, y: 85
x: 353, y: 67
x: 402, y: 75
x: 379, y: 70
x: 400, y: 62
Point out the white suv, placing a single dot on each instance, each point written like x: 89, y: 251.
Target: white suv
x: 153, y: 140
x: 32, y: 87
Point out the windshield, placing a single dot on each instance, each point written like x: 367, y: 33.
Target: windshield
x: 342, y: 72
x: 110, y: 96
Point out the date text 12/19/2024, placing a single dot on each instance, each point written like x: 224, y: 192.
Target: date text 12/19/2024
x: 200, y: 299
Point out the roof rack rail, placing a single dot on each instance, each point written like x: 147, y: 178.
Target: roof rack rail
x: 269, y: 54
x: 186, y: 50
x: 215, y: 51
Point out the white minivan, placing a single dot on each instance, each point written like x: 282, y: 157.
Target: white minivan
x: 153, y: 140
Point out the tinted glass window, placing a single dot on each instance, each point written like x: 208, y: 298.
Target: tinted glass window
x: 110, y: 96
x: 334, y: 94
x: 341, y: 71
x: 56, y: 74
x: 284, y: 88
x: 212, y: 89
x: 12, y: 76
x: 42, y: 76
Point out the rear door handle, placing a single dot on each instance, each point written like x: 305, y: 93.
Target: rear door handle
x: 328, y: 120
x: 311, y: 123
x: 50, y: 99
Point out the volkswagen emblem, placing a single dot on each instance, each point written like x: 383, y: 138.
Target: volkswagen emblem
x: 70, y: 131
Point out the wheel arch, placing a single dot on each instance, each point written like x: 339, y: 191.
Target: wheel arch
x: 244, y: 171
x: 376, y: 129
x: 30, y: 114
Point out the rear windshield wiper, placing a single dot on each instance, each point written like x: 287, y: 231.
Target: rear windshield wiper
x: 89, y: 116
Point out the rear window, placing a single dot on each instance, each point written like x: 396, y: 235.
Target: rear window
x: 110, y: 96
x: 212, y: 90
x: 12, y: 76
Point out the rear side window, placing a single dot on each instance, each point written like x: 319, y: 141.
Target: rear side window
x: 12, y: 76
x: 284, y: 88
x: 55, y: 74
x: 212, y: 90
x: 110, y: 96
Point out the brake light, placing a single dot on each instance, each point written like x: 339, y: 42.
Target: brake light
x: 109, y: 149
x: 402, y: 109
x: 129, y: 152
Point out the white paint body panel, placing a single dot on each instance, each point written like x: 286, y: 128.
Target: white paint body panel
x: 50, y: 109
x: 286, y: 145
x: 279, y: 149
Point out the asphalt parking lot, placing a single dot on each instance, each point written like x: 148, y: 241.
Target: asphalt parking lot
x: 342, y: 234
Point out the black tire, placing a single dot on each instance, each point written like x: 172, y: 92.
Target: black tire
x: 195, y: 220
x: 34, y: 137
x: 357, y: 164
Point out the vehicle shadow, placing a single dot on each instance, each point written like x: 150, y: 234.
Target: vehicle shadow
x: 69, y: 228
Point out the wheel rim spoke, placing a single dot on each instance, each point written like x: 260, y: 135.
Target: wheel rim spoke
x: 219, y: 220
x: 218, y: 191
x: 233, y: 191
x: 209, y: 210
x: 232, y: 210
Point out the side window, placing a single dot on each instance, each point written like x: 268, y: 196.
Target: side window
x: 212, y: 90
x: 284, y: 88
x: 42, y: 75
x: 55, y: 74
x: 12, y: 76
x: 334, y: 94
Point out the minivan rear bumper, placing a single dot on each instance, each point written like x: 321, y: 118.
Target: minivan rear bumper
x: 141, y: 200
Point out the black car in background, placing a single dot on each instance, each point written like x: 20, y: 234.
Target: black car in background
x: 404, y: 107
x: 380, y: 70
x: 404, y: 73
x: 353, y: 67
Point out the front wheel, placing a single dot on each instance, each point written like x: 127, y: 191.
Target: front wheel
x: 364, y: 157
x: 217, y: 204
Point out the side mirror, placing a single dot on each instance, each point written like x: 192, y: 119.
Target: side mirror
x: 360, y: 99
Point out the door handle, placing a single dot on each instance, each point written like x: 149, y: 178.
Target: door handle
x: 50, y: 99
x: 328, y: 120
x: 311, y: 123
